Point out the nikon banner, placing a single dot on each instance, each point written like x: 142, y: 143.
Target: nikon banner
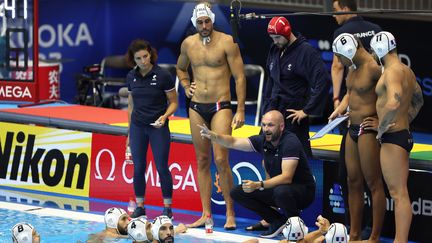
x: 45, y: 159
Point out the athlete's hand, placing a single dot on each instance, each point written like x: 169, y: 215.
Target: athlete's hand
x: 370, y: 123
x: 297, y: 115
x: 189, y: 92
x: 323, y: 224
x: 249, y: 186
x: 238, y: 120
x: 205, y: 132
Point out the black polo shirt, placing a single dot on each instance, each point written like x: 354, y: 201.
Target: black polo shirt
x: 359, y: 27
x: 289, y: 147
x: 149, y: 94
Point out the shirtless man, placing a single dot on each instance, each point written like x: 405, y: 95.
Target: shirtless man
x: 399, y: 101
x: 214, y: 57
x: 361, y: 147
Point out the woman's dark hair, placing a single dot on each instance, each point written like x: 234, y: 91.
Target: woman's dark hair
x: 138, y: 45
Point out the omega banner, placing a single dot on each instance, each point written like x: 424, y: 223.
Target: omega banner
x: 421, y: 203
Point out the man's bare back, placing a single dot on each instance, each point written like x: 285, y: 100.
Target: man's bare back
x: 361, y: 87
x: 210, y: 67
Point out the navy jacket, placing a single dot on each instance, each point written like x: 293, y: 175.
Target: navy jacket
x: 297, y: 80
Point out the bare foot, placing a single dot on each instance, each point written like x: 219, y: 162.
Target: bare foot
x: 230, y: 223
x: 199, y: 223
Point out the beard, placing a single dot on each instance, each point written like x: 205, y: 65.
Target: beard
x: 208, y: 33
x: 122, y: 231
x: 169, y: 239
x: 274, y: 136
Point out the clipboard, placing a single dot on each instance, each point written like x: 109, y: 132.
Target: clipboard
x: 327, y: 128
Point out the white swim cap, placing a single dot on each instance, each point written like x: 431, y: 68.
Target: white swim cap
x: 157, y: 223
x: 112, y: 217
x: 346, y: 45
x: 337, y: 233
x: 295, y: 229
x: 137, y: 229
x: 382, y: 43
x: 201, y: 10
x: 22, y: 233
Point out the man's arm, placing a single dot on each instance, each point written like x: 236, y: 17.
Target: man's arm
x: 393, y: 83
x: 288, y: 169
x: 337, y: 70
x: 235, y: 63
x: 227, y: 141
x: 182, y: 69
x: 416, y: 103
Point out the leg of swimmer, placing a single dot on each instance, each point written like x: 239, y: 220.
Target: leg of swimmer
x: 395, y: 167
x: 221, y: 123
x: 203, y: 157
x: 160, y: 144
x: 355, y: 188
x: 139, y: 141
x: 371, y: 168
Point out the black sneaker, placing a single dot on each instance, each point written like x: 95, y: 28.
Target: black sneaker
x: 168, y: 212
x: 138, y: 212
x: 274, y: 229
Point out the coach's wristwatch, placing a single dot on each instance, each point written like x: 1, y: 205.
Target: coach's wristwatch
x: 262, y: 186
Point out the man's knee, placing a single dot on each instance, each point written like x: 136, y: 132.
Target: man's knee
x: 222, y: 164
x: 355, y: 181
x: 283, y: 193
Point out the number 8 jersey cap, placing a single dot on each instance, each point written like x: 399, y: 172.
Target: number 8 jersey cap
x: 346, y: 45
x: 137, y: 229
x: 382, y: 43
x: 22, y: 233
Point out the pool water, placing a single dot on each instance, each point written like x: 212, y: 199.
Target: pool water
x: 64, y: 230
x: 51, y: 229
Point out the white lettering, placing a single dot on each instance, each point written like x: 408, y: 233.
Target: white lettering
x: 98, y: 174
x: 14, y: 92
x: 149, y: 173
x: 189, y: 180
x: 179, y: 178
x: 51, y: 34
x: 83, y: 35
x: 64, y: 34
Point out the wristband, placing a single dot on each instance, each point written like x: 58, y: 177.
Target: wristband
x: 335, y: 98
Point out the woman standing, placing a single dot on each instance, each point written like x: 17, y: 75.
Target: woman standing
x: 152, y: 99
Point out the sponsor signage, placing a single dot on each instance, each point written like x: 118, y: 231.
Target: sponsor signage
x: 14, y: 91
x: 420, y: 195
x: 112, y: 179
x: 44, y: 159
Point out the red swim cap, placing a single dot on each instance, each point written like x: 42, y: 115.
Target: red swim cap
x: 279, y: 26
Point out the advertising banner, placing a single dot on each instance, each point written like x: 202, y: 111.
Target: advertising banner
x: 112, y: 179
x: 334, y: 206
x: 45, y: 159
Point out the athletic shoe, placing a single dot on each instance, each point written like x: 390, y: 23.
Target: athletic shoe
x: 168, y: 212
x: 138, y: 212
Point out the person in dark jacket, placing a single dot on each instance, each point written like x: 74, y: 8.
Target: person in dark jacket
x: 298, y: 81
